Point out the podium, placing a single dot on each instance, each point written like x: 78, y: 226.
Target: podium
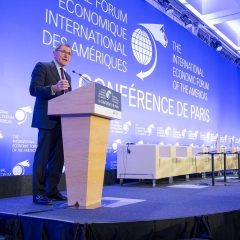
x: 85, y: 116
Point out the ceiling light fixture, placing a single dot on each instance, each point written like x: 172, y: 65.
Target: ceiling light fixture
x: 215, y: 43
x: 167, y: 6
x: 237, y: 61
x: 185, y: 18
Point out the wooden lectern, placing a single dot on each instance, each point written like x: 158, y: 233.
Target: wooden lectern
x: 85, y: 115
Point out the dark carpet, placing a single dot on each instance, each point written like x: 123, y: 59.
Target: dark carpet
x: 180, y: 199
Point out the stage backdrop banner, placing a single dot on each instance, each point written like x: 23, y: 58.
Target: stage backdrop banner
x: 176, y: 90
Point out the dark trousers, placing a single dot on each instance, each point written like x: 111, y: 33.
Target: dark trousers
x: 48, y: 161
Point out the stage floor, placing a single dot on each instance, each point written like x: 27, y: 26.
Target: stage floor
x: 137, y: 202
x: 180, y: 199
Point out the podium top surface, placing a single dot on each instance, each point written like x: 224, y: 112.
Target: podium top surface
x: 92, y: 98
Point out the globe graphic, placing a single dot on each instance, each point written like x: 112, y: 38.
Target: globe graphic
x: 125, y: 127
x: 149, y: 130
x: 20, y: 114
x: 17, y: 170
x: 114, y: 146
x: 108, y: 94
x: 141, y: 46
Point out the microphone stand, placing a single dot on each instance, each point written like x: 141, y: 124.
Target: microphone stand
x: 83, y: 78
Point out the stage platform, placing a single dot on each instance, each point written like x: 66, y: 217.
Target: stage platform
x: 181, y: 210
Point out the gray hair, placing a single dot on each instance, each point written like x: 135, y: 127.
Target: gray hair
x: 62, y: 44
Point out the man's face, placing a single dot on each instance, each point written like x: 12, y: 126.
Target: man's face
x: 62, y: 56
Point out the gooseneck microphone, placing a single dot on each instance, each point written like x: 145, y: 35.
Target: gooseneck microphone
x: 86, y: 80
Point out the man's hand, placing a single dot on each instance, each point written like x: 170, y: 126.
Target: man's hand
x: 61, y: 85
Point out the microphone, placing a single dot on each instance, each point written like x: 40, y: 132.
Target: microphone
x: 86, y: 80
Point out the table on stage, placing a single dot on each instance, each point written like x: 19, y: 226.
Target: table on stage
x: 224, y: 162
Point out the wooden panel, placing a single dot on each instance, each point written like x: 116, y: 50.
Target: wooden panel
x: 97, y: 158
x: 85, y: 144
x: 231, y: 161
x: 165, y: 167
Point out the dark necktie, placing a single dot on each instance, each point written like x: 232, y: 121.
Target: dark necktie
x: 63, y: 78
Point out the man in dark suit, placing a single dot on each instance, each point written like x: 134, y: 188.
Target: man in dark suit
x: 49, y: 80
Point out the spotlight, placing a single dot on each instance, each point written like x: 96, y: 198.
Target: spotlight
x: 215, y: 43
x: 185, y: 18
x: 237, y: 61
x: 167, y: 6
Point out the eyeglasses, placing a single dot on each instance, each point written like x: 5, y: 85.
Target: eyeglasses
x: 63, y: 52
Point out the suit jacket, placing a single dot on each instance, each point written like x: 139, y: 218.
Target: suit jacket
x: 44, y: 75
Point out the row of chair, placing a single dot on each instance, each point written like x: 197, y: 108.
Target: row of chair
x: 152, y: 161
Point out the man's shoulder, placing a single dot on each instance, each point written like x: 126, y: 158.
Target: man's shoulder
x: 45, y: 65
x: 50, y: 64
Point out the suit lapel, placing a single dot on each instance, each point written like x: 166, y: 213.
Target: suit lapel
x: 54, y: 71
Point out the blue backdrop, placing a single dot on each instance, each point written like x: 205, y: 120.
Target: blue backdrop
x: 175, y: 89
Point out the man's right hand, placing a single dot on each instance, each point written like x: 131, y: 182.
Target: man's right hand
x: 61, y: 85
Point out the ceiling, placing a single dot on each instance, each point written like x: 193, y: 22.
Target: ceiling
x: 222, y: 17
